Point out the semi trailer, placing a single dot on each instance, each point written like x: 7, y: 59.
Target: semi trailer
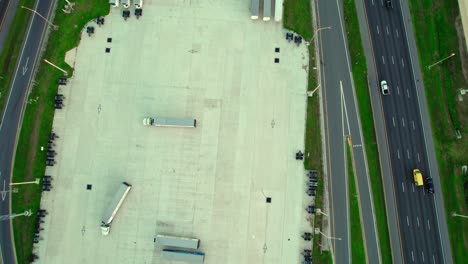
x: 113, y: 207
x: 180, y: 242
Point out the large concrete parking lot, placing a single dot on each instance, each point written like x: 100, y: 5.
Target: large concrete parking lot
x: 204, y: 59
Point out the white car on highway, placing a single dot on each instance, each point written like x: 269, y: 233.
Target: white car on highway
x: 384, y: 87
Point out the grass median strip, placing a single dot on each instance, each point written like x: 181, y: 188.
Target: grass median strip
x: 435, y: 25
x: 38, y: 117
x: 297, y: 17
x: 11, y: 50
x: 358, y: 253
x: 359, y: 71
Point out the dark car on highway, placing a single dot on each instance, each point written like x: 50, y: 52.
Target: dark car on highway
x: 429, y: 185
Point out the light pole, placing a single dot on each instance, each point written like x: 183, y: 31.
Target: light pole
x: 442, y: 60
x: 57, y: 67
x: 55, y: 27
x: 11, y: 216
x: 311, y: 93
x: 317, y: 31
x: 459, y: 215
x: 317, y: 231
x: 23, y: 183
x: 318, y: 211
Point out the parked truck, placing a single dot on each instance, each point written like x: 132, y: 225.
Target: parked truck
x: 169, y: 122
x: 126, y: 3
x: 114, y: 207
x: 114, y: 3
x: 138, y: 3
x: 180, y: 242
x: 254, y: 9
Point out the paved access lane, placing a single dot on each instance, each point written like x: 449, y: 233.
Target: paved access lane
x: 342, y: 120
x: 12, y: 118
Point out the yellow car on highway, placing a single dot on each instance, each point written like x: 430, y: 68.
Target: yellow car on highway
x: 418, y: 178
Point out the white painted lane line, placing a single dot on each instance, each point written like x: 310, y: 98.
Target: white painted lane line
x: 381, y: 2
x: 433, y: 259
x: 403, y: 186
x: 397, y: 33
x: 428, y: 224
x: 383, y: 59
x: 398, y: 89
x: 407, y: 93
x: 407, y: 153
x: 393, y: 61
x: 407, y: 220
x: 412, y: 185
x: 402, y: 62
x: 422, y: 254
x: 372, y: 2
x: 388, y: 32
x: 419, y: 160
x: 378, y: 31
x: 412, y: 255
x: 403, y: 121
x: 398, y: 153
x: 412, y: 122
x: 393, y: 119
x: 417, y: 219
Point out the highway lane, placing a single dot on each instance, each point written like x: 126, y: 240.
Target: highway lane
x: 418, y: 221
x: 12, y: 117
x: 342, y: 121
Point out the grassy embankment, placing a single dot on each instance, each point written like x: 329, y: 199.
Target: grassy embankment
x: 358, y: 254
x: 11, y: 50
x: 297, y: 17
x: 359, y: 70
x: 436, y: 38
x: 37, y: 123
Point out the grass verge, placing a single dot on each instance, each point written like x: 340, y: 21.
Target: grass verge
x: 359, y: 71
x: 297, y: 17
x: 435, y: 24
x: 38, y: 117
x: 358, y: 253
x: 11, y: 51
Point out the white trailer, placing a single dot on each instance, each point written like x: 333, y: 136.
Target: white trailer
x: 114, y: 207
x: 278, y: 10
x: 138, y: 3
x: 267, y: 10
x: 169, y: 122
x: 254, y: 9
x: 114, y: 3
x: 126, y: 3
x: 181, y: 242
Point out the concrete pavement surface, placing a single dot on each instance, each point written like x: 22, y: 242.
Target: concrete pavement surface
x: 342, y: 120
x: 12, y: 118
x: 421, y: 216
x: 206, y: 60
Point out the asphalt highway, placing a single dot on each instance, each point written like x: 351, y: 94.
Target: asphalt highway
x: 342, y: 123
x: 418, y: 220
x: 13, y: 115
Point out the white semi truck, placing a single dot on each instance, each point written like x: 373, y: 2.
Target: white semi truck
x: 114, y: 207
x: 169, y: 122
